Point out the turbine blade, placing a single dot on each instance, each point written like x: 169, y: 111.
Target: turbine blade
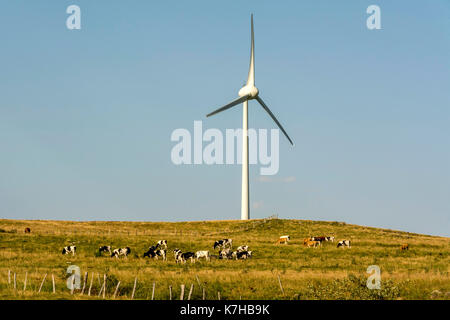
x: 251, y: 71
x: 261, y: 102
x: 228, y: 106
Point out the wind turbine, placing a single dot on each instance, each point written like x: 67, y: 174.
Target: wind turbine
x: 248, y: 92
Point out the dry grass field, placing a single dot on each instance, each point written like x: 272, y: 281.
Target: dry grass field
x: 327, y: 272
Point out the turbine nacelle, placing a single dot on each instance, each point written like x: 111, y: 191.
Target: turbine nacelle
x: 248, y: 90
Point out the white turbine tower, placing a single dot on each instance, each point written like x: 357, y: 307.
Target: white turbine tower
x: 248, y: 92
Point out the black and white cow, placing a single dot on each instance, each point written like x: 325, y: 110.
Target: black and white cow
x: 161, y: 253
x: 183, y: 256
x: 224, y: 243
x: 176, y: 251
x: 242, y: 248
x: 203, y: 254
x: 225, y: 253
x: 102, y: 249
x: 121, y: 252
x: 69, y: 249
x: 243, y: 255
x: 329, y: 239
x: 344, y: 243
x: 153, y: 252
x: 161, y: 244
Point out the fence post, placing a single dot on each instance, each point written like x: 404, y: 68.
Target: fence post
x: 134, y: 288
x: 42, y: 283
x: 90, y: 286
x: 182, y: 292
x: 25, y: 282
x: 53, y: 282
x: 204, y: 293
x: 153, y: 290
x: 14, y: 281
x: 115, y: 291
x: 170, y: 292
x: 281, y: 287
x: 190, y: 291
x: 101, y: 290
x: 218, y: 295
x: 84, y: 283
x: 104, y: 286
x: 9, y: 276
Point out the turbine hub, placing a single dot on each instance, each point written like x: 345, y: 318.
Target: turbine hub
x: 248, y: 90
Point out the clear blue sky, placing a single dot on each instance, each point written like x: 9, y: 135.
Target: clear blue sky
x: 86, y: 116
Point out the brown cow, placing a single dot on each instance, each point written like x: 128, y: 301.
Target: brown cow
x: 405, y: 246
x: 27, y: 230
x: 312, y: 243
x: 283, y: 239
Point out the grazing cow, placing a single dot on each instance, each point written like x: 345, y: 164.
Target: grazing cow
x: 69, y: 249
x: 283, y: 239
x: 161, y: 253
x: 312, y: 243
x: 121, y: 252
x: 405, y: 246
x: 176, y: 251
x: 183, y: 256
x: 225, y: 254
x: 344, y: 243
x: 320, y: 239
x: 223, y: 244
x: 242, y: 248
x: 306, y: 240
x: 102, y: 249
x: 203, y: 254
x: 154, y: 252
x: 27, y: 230
x: 150, y: 253
x: 329, y: 239
x: 162, y: 243
x: 243, y: 255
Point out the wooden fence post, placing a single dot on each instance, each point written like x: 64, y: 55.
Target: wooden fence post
x: 42, y: 283
x: 204, y: 293
x: 53, y: 282
x: 190, y: 291
x: 90, y: 286
x: 14, y: 281
x: 218, y: 295
x: 153, y: 290
x: 25, y: 282
x: 115, y: 291
x: 104, y: 286
x: 281, y: 287
x: 9, y: 276
x: 170, y: 292
x: 134, y: 288
x: 84, y: 283
x: 182, y: 292
x: 100, y: 292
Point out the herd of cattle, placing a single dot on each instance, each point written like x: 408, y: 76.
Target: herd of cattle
x: 315, y: 241
x: 159, y: 250
x: 225, y: 246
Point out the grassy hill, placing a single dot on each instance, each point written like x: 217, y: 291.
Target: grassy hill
x: 327, y: 272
